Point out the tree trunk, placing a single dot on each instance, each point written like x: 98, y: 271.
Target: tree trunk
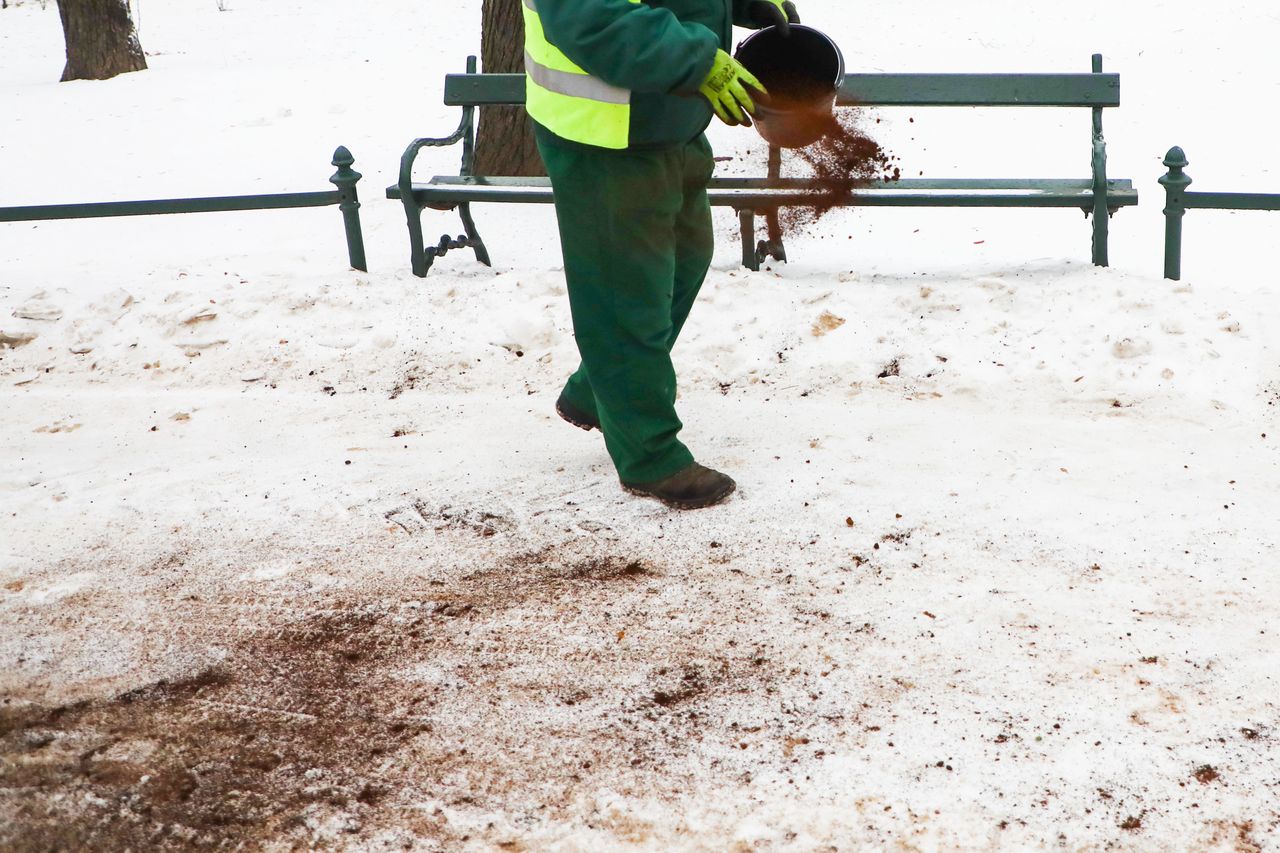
x: 504, y: 144
x: 101, y: 40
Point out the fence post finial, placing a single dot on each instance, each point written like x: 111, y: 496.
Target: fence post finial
x: 345, y: 180
x: 1175, y: 183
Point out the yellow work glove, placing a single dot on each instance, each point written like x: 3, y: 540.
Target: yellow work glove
x: 726, y: 89
x: 774, y: 13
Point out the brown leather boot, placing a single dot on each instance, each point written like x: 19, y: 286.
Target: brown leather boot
x: 693, y: 487
x: 576, y: 416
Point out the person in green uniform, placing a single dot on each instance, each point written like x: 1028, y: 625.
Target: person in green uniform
x: 620, y: 92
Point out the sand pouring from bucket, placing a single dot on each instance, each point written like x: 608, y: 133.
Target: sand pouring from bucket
x: 802, y: 72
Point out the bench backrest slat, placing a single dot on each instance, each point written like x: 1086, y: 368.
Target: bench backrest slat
x: 462, y: 90
x: 971, y: 90
x: 904, y: 90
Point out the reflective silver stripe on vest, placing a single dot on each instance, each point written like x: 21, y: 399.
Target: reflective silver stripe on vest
x: 574, y: 85
x: 530, y: 5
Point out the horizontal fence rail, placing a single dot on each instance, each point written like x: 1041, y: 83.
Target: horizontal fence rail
x: 345, y: 197
x: 94, y: 210
x: 1178, y: 201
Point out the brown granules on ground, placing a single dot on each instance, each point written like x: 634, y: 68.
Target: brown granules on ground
x: 842, y: 162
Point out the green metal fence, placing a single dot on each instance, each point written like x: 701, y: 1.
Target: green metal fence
x: 345, y: 197
x: 1178, y: 201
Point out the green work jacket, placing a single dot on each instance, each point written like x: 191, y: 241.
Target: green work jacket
x: 657, y: 52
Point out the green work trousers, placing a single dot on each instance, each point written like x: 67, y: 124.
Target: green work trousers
x: 635, y: 230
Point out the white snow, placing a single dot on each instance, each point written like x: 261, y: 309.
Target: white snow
x: 1001, y: 570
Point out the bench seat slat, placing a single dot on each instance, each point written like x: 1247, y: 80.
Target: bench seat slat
x: 801, y: 183
x: 902, y: 90
x: 938, y: 198
x: 447, y: 191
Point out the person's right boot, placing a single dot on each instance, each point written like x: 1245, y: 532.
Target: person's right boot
x: 693, y: 487
x: 571, y: 413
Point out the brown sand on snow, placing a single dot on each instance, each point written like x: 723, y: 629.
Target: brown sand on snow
x: 843, y: 161
x: 318, y: 720
x: 469, y: 690
x: 230, y: 754
x: 846, y: 159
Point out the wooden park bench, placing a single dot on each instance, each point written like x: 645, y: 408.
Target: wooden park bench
x: 1096, y: 195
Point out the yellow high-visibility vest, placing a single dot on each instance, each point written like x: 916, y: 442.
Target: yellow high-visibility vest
x: 567, y: 100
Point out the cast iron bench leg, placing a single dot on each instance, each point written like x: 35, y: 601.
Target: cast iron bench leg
x: 422, y: 257
x: 747, y: 223
x: 1101, y: 213
x: 775, y: 248
x: 418, y: 257
x: 1100, y: 229
x: 473, y: 236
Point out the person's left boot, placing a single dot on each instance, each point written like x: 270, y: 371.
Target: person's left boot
x: 576, y: 416
x: 693, y: 487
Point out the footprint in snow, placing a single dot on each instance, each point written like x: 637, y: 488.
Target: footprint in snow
x: 1131, y: 348
x: 38, y: 309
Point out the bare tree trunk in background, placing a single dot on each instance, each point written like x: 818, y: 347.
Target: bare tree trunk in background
x: 504, y: 145
x: 101, y: 40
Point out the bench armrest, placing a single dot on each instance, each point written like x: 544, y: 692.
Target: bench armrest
x: 464, y: 134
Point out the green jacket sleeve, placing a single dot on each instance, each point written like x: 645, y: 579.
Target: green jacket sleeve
x: 631, y: 45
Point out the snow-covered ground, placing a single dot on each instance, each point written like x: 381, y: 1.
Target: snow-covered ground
x: 292, y: 555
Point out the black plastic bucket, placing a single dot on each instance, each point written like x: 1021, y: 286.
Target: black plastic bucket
x: 802, y: 72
